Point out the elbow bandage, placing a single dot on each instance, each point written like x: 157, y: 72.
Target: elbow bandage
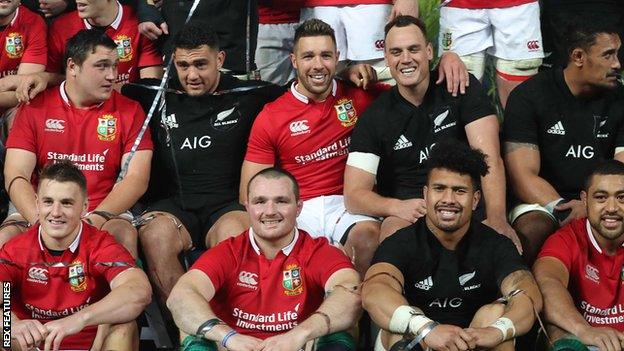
x: 407, y: 319
x: 506, y: 327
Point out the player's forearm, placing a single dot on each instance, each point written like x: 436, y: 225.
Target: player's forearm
x: 368, y: 202
x: 531, y: 188
x: 189, y: 310
x: 123, y: 304
x: 380, y: 301
x: 22, y: 195
x: 559, y: 308
x: 8, y: 99
x: 494, y: 190
x: 124, y: 195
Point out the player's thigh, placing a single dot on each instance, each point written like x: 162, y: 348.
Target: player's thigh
x: 364, y: 30
x: 226, y: 223
x: 464, y: 31
x: 517, y: 33
x: 165, y: 230
x: 391, y: 225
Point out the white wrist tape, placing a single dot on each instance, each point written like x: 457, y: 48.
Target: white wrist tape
x: 505, y: 324
x: 405, y: 318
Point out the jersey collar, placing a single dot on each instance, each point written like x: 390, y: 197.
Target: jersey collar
x: 72, y: 247
x: 15, y: 17
x: 304, y: 98
x: 66, y: 98
x: 591, y: 237
x: 115, y: 23
x: 286, y: 249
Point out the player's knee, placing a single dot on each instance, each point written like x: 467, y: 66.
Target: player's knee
x: 122, y: 336
x: 534, y: 225
x: 391, y: 225
x: 8, y: 232
x: 475, y: 64
x: 365, y: 235
x: 124, y: 233
x: 158, y: 228
x: 517, y: 70
x: 487, y: 314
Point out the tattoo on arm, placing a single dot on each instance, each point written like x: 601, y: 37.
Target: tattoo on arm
x: 513, y: 146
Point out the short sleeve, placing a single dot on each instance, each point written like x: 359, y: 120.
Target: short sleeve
x: 23, y: 134
x: 261, y: 145
x: 506, y: 259
x: 217, y: 263
x: 475, y: 104
x: 149, y: 53
x: 137, y: 124
x: 560, y: 246
x: 520, y: 123
x: 365, y: 137
x: 9, y: 270
x: 393, y: 250
x: 36, y: 47
x: 109, y: 258
x: 326, y: 261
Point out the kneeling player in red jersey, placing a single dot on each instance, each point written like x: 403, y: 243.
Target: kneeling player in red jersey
x: 67, y: 277
x: 264, y: 289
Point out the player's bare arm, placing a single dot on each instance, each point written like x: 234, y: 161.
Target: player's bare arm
x: 248, y: 170
x: 130, y: 293
x: 559, y: 310
x: 188, y: 303
x: 338, y: 312
x: 19, y: 166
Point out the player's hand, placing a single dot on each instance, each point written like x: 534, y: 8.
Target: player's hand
x: 362, y: 75
x: 404, y: 7
x: 503, y: 227
x: 453, y: 69
x: 28, y: 333
x: 152, y: 31
x: 578, y: 210
x: 410, y: 210
x: 241, y: 342
x: 30, y: 85
x: 449, y: 337
x: 606, y: 339
x: 486, y: 338
x: 290, y: 341
x: 51, y: 8
x: 60, y: 328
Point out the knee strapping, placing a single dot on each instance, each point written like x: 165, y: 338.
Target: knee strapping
x: 475, y: 63
x: 517, y: 70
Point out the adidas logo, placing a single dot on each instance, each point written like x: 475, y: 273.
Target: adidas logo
x: 402, y: 143
x: 556, y: 129
x: 425, y: 284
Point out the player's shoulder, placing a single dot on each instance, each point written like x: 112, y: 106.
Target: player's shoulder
x: 123, y: 102
x: 25, y: 242
x: 28, y: 18
x: 573, y: 233
x: 129, y: 17
x: 67, y: 22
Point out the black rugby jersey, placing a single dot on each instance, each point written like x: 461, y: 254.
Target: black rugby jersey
x: 573, y: 134
x: 402, y: 134
x: 450, y: 285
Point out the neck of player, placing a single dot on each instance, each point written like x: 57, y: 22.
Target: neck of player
x: 271, y: 247
x: 448, y: 239
x: 6, y: 20
x: 105, y: 18
x: 577, y: 85
x: 77, y: 99
x: 608, y: 246
x: 415, y: 94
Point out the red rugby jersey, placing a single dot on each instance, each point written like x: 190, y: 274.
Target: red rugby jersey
x: 24, y: 41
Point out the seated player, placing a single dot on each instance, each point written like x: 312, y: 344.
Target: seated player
x: 558, y: 126
x: 439, y: 279
x: 67, y: 277
x: 273, y: 286
x: 579, y: 269
x: 85, y: 121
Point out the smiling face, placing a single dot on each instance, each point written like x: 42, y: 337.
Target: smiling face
x: 605, y: 207
x: 273, y: 210
x: 7, y: 9
x: 315, y: 59
x: 408, y: 54
x: 198, y: 69
x: 450, y: 198
x: 60, y: 207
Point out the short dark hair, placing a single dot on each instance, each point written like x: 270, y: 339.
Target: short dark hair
x: 194, y: 35
x: 458, y: 157
x: 404, y: 21
x: 64, y: 171
x: 84, y: 43
x: 581, y: 32
x: 314, y: 28
x: 276, y: 173
x: 608, y: 167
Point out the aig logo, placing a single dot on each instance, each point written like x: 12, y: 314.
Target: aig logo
x: 299, y: 127
x: 247, y: 280
x: 55, y: 125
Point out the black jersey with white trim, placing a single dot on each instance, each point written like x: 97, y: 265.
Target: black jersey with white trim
x: 206, y: 136
x: 402, y: 134
x: 450, y: 285
x: 573, y: 134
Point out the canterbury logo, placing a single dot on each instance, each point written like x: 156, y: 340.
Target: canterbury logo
x: 299, y: 126
x: 56, y: 124
x: 379, y: 44
x: 248, y: 278
x: 533, y: 45
x: 38, y: 273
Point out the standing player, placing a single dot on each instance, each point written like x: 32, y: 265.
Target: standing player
x: 445, y: 272
x: 307, y: 132
x: 265, y: 288
x: 138, y: 57
x: 84, y: 121
x: 558, y: 126
x: 67, y: 277
x: 392, y: 140
x: 579, y: 269
x: 199, y: 148
x: 508, y: 30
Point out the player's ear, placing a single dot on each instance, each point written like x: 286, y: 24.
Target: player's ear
x: 584, y: 197
x: 577, y: 57
x: 476, y: 197
x: 72, y: 67
x: 220, y: 59
x: 299, y: 207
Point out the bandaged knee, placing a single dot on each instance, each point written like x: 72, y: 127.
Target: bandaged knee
x: 517, y: 70
x: 475, y: 64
